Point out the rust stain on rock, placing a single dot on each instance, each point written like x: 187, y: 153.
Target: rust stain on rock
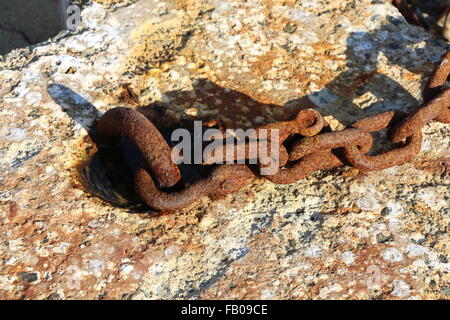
x: 264, y: 63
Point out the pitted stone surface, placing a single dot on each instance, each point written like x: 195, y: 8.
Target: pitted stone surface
x: 339, y: 234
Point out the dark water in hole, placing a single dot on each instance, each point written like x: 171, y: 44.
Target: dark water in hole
x: 109, y: 175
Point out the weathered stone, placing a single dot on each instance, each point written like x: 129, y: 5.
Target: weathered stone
x: 232, y: 61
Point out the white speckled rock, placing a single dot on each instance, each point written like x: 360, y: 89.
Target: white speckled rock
x: 337, y: 234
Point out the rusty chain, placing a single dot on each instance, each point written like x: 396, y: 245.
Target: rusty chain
x: 318, y: 149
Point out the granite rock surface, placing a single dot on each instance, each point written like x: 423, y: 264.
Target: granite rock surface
x: 337, y: 234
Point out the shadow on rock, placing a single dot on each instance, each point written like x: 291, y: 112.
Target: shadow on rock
x: 76, y: 107
x: 109, y: 175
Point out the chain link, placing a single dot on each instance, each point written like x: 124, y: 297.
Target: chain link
x: 317, y: 150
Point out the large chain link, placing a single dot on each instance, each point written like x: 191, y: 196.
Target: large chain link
x: 318, y: 149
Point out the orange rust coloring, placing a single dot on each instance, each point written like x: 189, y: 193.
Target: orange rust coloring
x: 312, y: 149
